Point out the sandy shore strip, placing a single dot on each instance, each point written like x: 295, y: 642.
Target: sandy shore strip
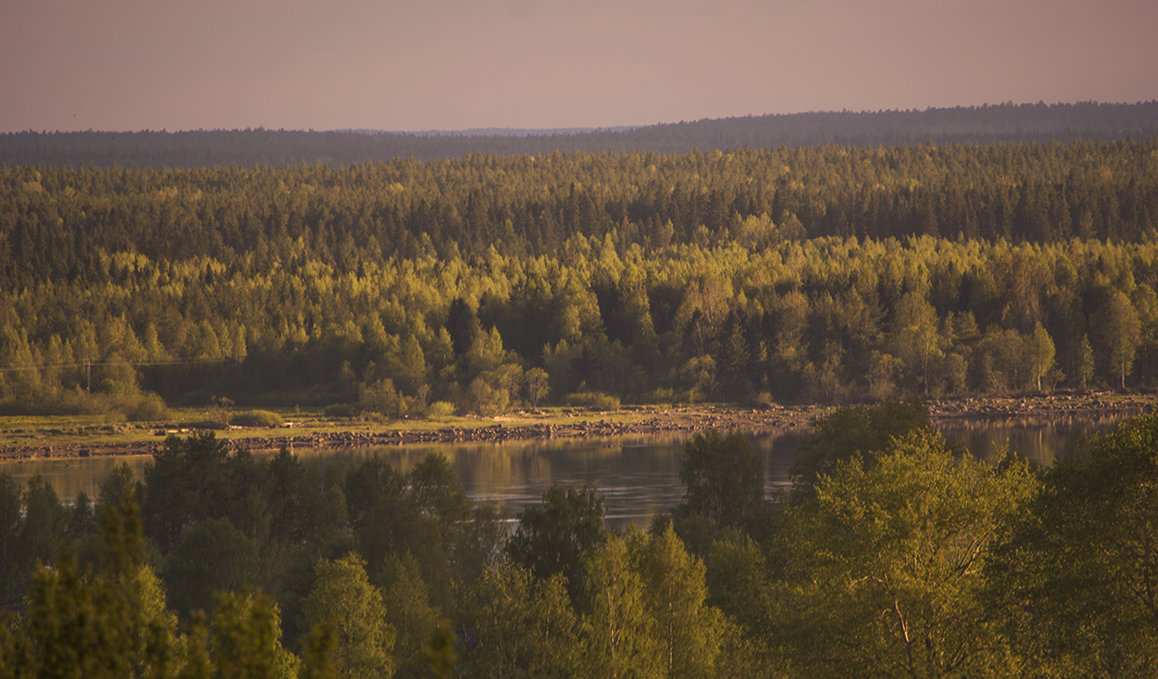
x: 567, y: 424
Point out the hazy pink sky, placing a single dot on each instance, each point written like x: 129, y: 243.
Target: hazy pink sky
x: 455, y: 64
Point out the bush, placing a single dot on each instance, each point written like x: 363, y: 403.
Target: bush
x: 592, y: 400
x: 439, y: 410
x: 486, y: 399
x: 661, y: 395
x: 340, y: 410
x: 139, y: 406
x: 148, y: 407
x: 382, y: 397
x: 764, y: 399
x: 257, y: 418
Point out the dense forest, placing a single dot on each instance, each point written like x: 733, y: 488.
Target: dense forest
x: 892, y: 554
x: 280, y: 148
x: 487, y: 283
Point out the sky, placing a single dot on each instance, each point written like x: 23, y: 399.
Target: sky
x: 463, y: 64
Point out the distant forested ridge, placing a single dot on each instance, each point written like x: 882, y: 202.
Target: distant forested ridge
x: 484, y: 283
x: 984, y: 124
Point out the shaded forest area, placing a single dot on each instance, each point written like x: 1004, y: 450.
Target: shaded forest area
x: 487, y: 283
x: 893, y: 554
x: 281, y: 148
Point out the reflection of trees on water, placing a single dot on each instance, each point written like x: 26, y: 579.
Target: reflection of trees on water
x: 639, y: 476
x: 1040, y: 439
x: 70, y: 477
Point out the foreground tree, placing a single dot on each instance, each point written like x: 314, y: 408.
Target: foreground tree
x: 1078, y: 574
x: 246, y: 639
x: 526, y: 626
x: 111, y: 622
x: 849, y: 431
x: 723, y: 481
x: 883, y: 565
x: 556, y: 536
x: 621, y: 639
x: 344, y: 602
x: 691, y: 634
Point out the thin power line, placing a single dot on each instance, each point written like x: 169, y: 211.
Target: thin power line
x: 86, y: 364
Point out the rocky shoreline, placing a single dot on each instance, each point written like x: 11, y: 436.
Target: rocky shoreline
x: 670, y: 420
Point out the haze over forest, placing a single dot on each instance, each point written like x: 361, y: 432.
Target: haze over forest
x: 984, y: 124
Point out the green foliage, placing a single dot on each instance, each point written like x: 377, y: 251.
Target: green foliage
x: 884, y: 563
x: 340, y: 410
x: 621, y: 638
x: 409, y: 612
x: 440, y: 653
x: 828, y: 274
x: 113, y: 622
x: 554, y: 538
x: 526, y: 626
x: 689, y: 631
x: 440, y: 410
x: 538, y: 386
x: 112, y: 625
x: 187, y: 481
x: 1075, y: 575
x: 592, y: 400
x: 724, y: 489
x: 16, y: 656
x: 319, y: 649
x: 1120, y: 332
x: 39, y: 536
x: 381, y: 397
x: 245, y: 638
x: 852, y: 430
x: 486, y: 399
x: 12, y: 567
x: 740, y: 584
x: 344, y: 601
x: 210, y: 556
x: 903, y: 558
x: 257, y: 418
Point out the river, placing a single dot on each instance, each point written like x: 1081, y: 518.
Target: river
x: 638, y: 476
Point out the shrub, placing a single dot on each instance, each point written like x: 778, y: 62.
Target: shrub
x: 382, y: 397
x: 592, y: 400
x: 148, y: 407
x: 340, y: 410
x: 439, y: 410
x: 257, y: 418
x: 486, y: 399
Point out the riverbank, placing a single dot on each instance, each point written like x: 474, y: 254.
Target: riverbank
x: 65, y: 437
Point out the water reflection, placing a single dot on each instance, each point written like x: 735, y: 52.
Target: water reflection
x: 73, y: 476
x: 1038, y: 440
x: 639, y: 477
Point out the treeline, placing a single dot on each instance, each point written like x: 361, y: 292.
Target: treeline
x: 56, y: 222
x: 893, y: 554
x: 1039, y: 122
x: 821, y: 320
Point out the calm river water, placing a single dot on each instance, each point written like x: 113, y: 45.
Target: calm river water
x: 639, y: 477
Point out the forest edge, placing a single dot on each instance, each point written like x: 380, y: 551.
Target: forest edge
x: 574, y: 424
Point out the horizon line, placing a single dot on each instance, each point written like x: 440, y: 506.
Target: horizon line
x: 484, y: 131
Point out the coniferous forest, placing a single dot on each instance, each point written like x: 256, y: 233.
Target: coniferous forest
x: 483, y: 283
